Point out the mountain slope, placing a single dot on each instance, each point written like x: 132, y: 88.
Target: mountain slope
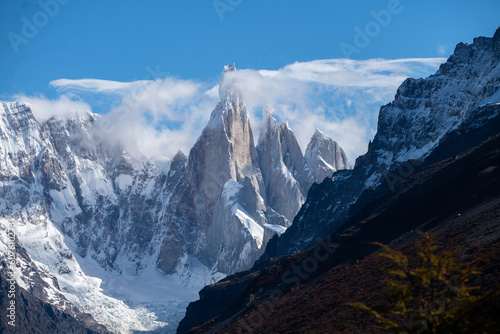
x: 57, y: 194
x: 35, y: 316
x: 409, y: 128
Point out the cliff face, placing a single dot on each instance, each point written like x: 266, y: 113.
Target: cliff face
x: 222, y: 202
x: 282, y: 186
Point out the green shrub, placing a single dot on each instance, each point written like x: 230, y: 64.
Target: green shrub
x: 434, y: 295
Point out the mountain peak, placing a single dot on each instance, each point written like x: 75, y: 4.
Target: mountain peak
x: 267, y: 112
x: 325, y: 156
x: 285, y: 125
x: 15, y: 108
x: 228, y: 88
x: 179, y: 156
x: 269, y: 127
x: 318, y: 134
x: 230, y: 67
x: 496, y: 36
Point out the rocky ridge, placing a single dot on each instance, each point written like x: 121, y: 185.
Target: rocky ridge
x: 409, y: 128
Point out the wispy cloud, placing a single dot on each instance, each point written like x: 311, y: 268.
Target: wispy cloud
x: 97, y: 85
x: 155, y: 118
x: 441, y: 49
x: 162, y: 117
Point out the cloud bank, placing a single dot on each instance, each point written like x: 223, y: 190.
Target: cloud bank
x: 66, y: 105
x: 156, y: 118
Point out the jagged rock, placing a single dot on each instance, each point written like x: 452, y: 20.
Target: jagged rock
x: 325, y: 156
x: 283, y: 191
x: 294, y: 159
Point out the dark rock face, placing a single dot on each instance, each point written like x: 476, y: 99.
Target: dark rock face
x: 215, y: 299
x: 409, y: 128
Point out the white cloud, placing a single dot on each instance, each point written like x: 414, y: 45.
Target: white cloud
x: 64, y: 106
x: 161, y: 118
x: 157, y: 118
x: 441, y: 49
x: 341, y: 97
x: 355, y: 73
x: 97, y: 85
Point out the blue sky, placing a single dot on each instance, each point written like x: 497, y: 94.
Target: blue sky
x: 117, y: 40
x: 189, y: 41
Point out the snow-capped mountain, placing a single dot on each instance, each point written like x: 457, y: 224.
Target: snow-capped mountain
x: 95, y: 223
x: 423, y: 112
x: 61, y: 190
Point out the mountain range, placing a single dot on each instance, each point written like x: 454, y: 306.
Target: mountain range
x: 106, y: 237
x: 85, y: 210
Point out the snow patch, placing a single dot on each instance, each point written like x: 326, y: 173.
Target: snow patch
x: 276, y: 228
x: 255, y: 229
x: 230, y: 192
x: 492, y: 100
x: 93, y: 181
x: 124, y: 181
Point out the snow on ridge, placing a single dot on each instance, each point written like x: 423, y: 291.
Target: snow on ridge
x: 254, y: 228
x: 55, y: 260
x: 276, y: 228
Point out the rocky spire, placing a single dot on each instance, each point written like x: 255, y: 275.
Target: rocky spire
x: 283, y: 192
x: 325, y: 156
x: 224, y: 160
x: 228, y: 88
